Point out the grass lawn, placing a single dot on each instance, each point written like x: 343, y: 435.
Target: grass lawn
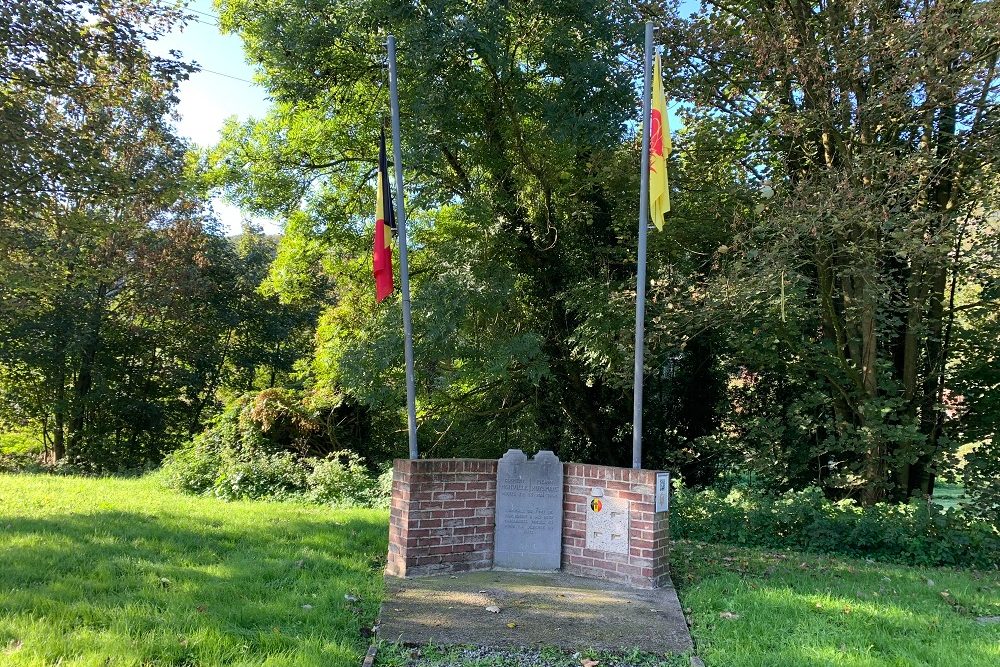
x: 750, y: 607
x: 20, y: 442
x: 121, y: 572
x: 949, y: 495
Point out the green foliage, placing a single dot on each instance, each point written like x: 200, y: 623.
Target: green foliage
x: 20, y: 463
x: 920, y: 533
x: 521, y: 166
x: 808, y: 338
x: 840, y: 333
x: 837, y: 301
x: 192, y: 468
x: 111, y: 297
x: 343, y: 479
x: 259, y: 448
x: 20, y: 441
x: 253, y: 474
x: 982, y: 482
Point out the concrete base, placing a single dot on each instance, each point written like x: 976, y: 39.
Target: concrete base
x: 555, y: 609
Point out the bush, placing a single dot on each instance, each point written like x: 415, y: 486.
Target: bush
x: 193, y: 468
x: 383, y: 488
x: 919, y: 533
x: 254, y: 474
x: 339, y: 479
x: 210, y: 464
x: 21, y: 463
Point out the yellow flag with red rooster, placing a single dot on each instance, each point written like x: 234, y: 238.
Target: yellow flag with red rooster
x: 659, y: 151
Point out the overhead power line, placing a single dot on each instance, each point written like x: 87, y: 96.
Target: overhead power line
x: 228, y: 76
x: 209, y: 14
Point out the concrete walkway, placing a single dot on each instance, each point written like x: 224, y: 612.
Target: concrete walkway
x: 534, y: 610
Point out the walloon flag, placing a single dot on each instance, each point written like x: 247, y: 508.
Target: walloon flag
x: 659, y: 150
x: 385, y: 225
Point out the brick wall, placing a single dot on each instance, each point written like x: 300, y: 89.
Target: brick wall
x: 442, y: 520
x: 442, y: 516
x: 646, y: 565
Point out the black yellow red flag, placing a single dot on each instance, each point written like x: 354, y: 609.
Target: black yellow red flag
x: 385, y: 225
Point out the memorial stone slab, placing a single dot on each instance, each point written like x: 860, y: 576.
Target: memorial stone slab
x: 529, y: 512
x: 607, y: 525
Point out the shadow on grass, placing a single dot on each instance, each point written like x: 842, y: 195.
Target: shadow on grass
x: 177, y: 589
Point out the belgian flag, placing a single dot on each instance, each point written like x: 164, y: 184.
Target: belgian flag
x: 385, y: 225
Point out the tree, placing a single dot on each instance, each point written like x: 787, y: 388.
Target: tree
x: 112, y: 278
x: 514, y: 125
x: 876, y: 123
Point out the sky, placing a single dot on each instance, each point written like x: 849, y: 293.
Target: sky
x: 222, y: 88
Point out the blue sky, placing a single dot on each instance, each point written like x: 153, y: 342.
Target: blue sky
x: 222, y: 89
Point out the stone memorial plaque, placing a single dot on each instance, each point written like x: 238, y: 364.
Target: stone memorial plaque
x: 607, y: 525
x: 529, y: 512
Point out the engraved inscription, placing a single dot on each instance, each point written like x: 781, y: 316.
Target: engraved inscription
x: 529, y: 512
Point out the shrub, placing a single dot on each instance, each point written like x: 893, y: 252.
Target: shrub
x: 21, y: 463
x: 192, y: 468
x: 339, y: 479
x: 383, y: 488
x: 919, y: 533
x: 253, y: 474
x: 211, y: 464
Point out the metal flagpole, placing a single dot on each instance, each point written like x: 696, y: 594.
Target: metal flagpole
x: 640, y: 279
x: 404, y: 271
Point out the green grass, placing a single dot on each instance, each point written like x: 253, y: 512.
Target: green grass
x: 121, y: 572
x: 754, y: 608
x: 949, y: 495
x: 20, y: 442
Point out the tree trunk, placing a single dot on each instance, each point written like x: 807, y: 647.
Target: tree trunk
x: 85, y: 377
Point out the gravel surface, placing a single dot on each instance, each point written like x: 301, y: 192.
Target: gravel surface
x: 500, y: 657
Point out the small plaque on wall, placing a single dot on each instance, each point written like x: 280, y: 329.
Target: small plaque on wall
x: 607, y: 524
x: 662, y: 491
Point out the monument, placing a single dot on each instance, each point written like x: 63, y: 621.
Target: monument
x: 529, y: 512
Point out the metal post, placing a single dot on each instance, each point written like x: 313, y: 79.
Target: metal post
x: 404, y: 270
x: 640, y: 279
